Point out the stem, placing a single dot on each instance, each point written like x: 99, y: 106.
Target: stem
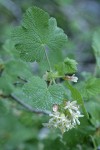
x: 95, y: 71
x: 93, y: 141
x: 47, y: 59
x: 59, y: 76
x: 28, y: 107
x: 54, y: 81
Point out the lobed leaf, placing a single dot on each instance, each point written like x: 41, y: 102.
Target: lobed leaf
x: 39, y: 96
x: 14, y: 74
x: 37, y: 33
x: 93, y: 107
x: 68, y: 66
x: 90, y: 87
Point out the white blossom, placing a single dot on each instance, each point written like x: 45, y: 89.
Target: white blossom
x: 72, y: 78
x: 73, y: 108
x: 64, y: 121
x: 59, y: 120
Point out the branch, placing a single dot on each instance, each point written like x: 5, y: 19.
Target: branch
x: 28, y: 107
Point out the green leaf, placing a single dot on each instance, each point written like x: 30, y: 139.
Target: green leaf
x: 37, y: 33
x: 68, y: 66
x: 90, y: 88
x: 77, y: 96
x: 79, y: 135
x: 12, y: 132
x: 9, y: 51
x: 96, y: 46
x: 17, y: 68
x: 57, y: 143
x: 93, y: 107
x: 15, y: 73
x: 6, y: 85
x: 1, y: 65
x: 39, y: 96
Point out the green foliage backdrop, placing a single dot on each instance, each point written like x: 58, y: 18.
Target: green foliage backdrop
x: 36, y: 60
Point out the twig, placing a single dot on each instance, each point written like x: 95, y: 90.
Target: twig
x: 28, y: 107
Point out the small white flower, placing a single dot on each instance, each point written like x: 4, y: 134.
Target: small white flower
x: 62, y: 121
x: 72, y: 78
x: 73, y: 108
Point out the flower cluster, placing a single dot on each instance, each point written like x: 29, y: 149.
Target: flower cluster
x: 66, y: 120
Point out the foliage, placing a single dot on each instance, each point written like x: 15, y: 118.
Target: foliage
x: 40, y: 96
x: 68, y: 66
x: 96, y: 47
x: 38, y: 32
x: 39, y: 39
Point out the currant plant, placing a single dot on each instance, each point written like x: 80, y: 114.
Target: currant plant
x: 52, y: 92
x: 39, y: 39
